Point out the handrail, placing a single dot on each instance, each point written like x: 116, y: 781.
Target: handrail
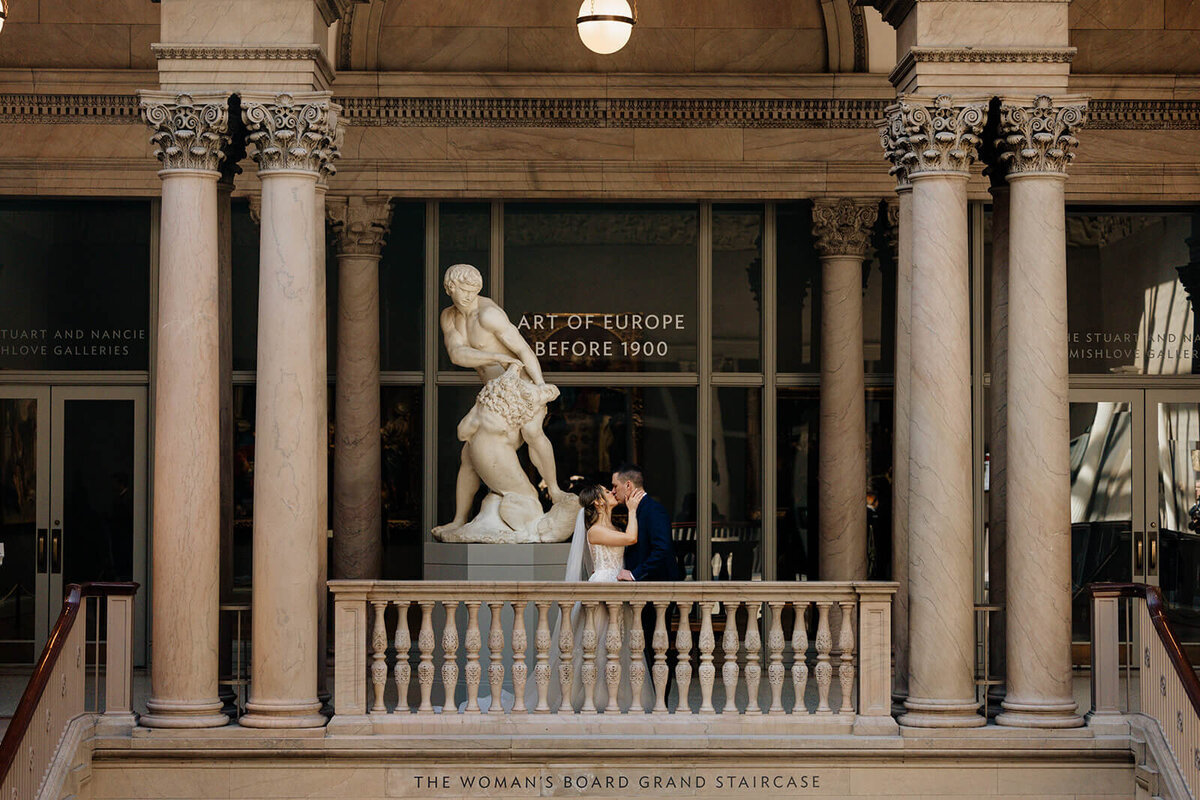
x: 1154, y: 607
x: 18, y: 726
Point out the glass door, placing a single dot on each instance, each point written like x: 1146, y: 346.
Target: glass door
x: 24, y: 521
x: 1172, y: 479
x: 73, y: 504
x: 1108, y: 541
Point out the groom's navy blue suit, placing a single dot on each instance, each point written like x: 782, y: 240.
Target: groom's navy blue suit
x: 652, y: 558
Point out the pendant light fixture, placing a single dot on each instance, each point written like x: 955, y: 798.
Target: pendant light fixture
x: 605, y: 25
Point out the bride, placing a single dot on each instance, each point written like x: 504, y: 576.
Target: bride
x: 606, y: 543
x: 598, y: 541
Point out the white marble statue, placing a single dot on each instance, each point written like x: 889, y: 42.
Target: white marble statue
x: 508, y: 412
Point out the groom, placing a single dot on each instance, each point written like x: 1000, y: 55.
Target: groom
x: 652, y: 557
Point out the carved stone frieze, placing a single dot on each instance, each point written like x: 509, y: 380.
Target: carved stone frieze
x: 292, y: 132
x: 837, y: 113
x: 592, y: 112
x: 360, y: 224
x: 935, y: 135
x: 1038, y: 138
x: 188, y: 131
x: 842, y: 227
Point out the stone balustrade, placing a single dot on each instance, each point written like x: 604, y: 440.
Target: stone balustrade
x: 410, y: 654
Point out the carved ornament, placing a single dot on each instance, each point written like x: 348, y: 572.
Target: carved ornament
x: 932, y: 136
x: 594, y: 112
x: 189, y: 131
x: 292, y: 132
x: 842, y: 227
x: 360, y: 224
x: 1038, y: 138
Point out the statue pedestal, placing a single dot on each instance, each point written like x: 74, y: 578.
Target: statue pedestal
x: 446, y: 561
x: 495, y: 562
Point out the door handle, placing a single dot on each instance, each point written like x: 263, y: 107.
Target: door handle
x: 1153, y: 537
x: 1139, y: 561
x: 56, y: 551
x: 41, y: 548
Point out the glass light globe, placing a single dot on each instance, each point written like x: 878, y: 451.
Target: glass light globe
x: 605, y: 36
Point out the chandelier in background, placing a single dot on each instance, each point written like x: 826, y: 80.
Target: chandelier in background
x: 605, y: 25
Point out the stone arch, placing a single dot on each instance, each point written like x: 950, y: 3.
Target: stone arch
x: 358, y: 35
x: 845, y: 36
x: 846, y: 40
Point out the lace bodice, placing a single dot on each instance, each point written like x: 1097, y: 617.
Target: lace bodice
x: 607, y: 562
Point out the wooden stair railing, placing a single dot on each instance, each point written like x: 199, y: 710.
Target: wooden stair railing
x: 1169, y: 688
x: 56, y: 691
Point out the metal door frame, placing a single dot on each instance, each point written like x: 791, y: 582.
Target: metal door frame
x: 41, y: 394
x: 1136, y: 399
x: 1154, y: 397
x: 59, y: 395
x: 48, y: 587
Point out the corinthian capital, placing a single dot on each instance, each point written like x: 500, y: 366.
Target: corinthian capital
x: 932, y: 135
x: 360, y: 224
x: 190, y: 131
x: 1039, y: 138
x: 292, y: 131
x: 843, y: 227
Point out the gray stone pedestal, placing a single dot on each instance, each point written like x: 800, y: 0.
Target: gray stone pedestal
x: 494, y: 562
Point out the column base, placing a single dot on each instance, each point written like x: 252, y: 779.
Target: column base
x: 181, y: 714
x: 279, y: 714
x: 1019, y: 714
x: 927, y: 713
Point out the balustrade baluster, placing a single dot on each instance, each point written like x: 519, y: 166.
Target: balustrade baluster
x: 566, y: 657
x: 800, y: 658
x: 612, y: 666
x: 496, y: 655
x: 824, y: 668
x: 683, y: 650
x: 450, y: 657
x: 775, y: 654
x: 637, y: 661
x: 753, y: 649
x: 846, y: 645
x: 472, y: 642
x: 425, y: 642
x: 729, y: 669
x: 708, y: 672
x: 660, y: 641
x: 589, y: 658
x: 402, y: 670
x: 541, y: 671
x: 378, y: 656
x: 520, y: 672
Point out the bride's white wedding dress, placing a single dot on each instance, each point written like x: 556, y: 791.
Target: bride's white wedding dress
x: 606, y: 563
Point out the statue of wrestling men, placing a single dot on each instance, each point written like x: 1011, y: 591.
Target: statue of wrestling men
x: 508, y: 412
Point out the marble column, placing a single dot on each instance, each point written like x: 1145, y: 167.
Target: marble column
x: 292, y: 136
x: 1036, y: 144
x: 843, y: 234
x: 321, y: 311
x: 935, y: 140
x: 229, y: 171
x: 902, y: 222
x: 360, y: 225
x: 998, y: 432
x: 190, y: 133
